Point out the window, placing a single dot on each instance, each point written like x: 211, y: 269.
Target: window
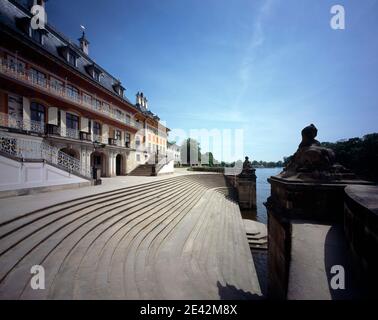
x: 37, y: 112
x: 56, y: 85
x: 97, y: 128
x: 71, y: 58
x: 15, y: 109
x: 118, y: 89
x: 138, y: 157
x: 72, y: 92
x: 15, y: 64
x: 38, y: 77
x: 36, y: 35
x: 106, y: 107
x: 87, y: 98
x: 127, y: 139
x: 128, y: 119
x: 96, y: 75
x: 96, y: 104
x: 118, y: 135
x: 72, y: 121
x: 118, y: 114
x: 137, y: 142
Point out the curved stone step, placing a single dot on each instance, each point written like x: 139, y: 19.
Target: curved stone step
x: 181, y: 238
x: 97, y: 222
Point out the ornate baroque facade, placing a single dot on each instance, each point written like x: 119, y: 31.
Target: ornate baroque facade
x: 50, y: 88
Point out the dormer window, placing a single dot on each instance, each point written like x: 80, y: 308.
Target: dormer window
x: 118, y: 89
x: 96, y: 76
x: 94, y: 72
x: 37, y: 34
x: 69, y: 55
x: 71, y: 59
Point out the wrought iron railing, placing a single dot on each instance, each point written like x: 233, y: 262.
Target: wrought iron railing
x: 39, y: 150
x: 14, y: 122
x: 72, y: 133
x: 61, y: 91
x: 98, y: 138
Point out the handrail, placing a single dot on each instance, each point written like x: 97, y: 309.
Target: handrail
x: 32, y: 150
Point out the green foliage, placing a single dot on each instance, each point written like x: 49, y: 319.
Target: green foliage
x: 358, y: 155
x: 266, y: 164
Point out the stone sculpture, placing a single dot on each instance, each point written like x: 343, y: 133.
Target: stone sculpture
x: 248, y: 170
x: 312, y: 161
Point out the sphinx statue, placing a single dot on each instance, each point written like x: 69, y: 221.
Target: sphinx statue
x: 312, y: 161
x: 248, y: 170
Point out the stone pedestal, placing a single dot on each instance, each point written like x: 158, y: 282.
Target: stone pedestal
x: 246, y: 187
x: 299, y: 200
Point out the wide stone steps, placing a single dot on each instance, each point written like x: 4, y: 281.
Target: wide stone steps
x: 180, y: 237
x: 142, y: 170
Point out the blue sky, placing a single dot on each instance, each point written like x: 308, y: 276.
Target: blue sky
x: 268, y: 67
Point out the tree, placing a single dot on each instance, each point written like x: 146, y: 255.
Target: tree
x: 360, y: 155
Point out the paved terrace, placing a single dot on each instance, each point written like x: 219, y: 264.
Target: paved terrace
x: 178, y: 236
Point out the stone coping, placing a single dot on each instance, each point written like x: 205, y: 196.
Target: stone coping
x: 312, y: 183
x: 365, y: 196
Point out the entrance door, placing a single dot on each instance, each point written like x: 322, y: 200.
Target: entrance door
x: 118, y: 164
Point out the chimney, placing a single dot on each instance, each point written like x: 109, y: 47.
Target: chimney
x: 145, y: 103
x: 141, y: 99
x: 138, y: 100
x: 84, y: 43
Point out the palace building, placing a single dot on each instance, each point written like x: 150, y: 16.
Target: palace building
x: 54, y: 95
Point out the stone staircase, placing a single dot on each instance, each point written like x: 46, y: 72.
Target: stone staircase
x: 257, y: 234
x: 143, y: 170
x: 177, y: 238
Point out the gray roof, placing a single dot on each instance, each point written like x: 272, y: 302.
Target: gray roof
x: 11, y: 12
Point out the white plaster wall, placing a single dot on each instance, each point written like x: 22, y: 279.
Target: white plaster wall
x: 168, y: 168
x: 131, y: 163
x: 17, y: 175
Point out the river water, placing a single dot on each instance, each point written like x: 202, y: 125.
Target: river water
x: 260, y: 257
x: 262, y: 193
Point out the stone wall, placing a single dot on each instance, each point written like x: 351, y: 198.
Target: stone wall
x: 361, y: 230
x: 293, y: 200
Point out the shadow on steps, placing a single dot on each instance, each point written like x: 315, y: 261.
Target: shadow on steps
x: 230, y: 292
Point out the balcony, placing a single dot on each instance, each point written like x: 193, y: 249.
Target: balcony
x: 99, y: 138
x: 85, y: 136
x: 72, y: 133
x: 115, y: 142
x: 20, y: 124
x: 52, y: 88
